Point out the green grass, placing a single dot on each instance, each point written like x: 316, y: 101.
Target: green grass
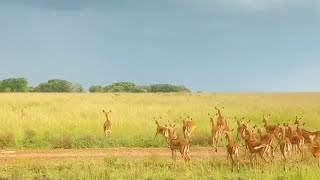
x: 150, y: 167
x: 75, y: 120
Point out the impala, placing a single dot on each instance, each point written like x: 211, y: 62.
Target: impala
x: 274, y: 129
x: 215, y: 133
x: 160, y: 129
x: 285, y: 146
x: 220, y: 120
x: 314, y: 148
x: 177, y: 144
x: 255, y: 146
x: 188, y: 127
x: 267, y: 138
x: 232, y: 150
x: 107, y: 124
x: 296, y: 140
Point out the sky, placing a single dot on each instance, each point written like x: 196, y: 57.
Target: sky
x: 206, y: 45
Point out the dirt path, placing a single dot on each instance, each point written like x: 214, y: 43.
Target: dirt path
x: 98, y: 153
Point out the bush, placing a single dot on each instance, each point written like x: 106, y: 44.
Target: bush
x: 6, y: 140
x: 87, y: 141
x: 64, y: 142
x: 29, y: 138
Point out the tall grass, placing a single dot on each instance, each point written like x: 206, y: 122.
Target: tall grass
x: 78, y: 117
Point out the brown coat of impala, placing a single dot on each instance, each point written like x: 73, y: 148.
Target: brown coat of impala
x: 188, y: 126
x: 285, y: 146
x: 314, y: 148
x: 232, y: 150
x: 107, y: 124
x: 160, y: 129
x: 177, y: 144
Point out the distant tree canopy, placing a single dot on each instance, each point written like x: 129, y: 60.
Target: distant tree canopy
x: 58, y: 85
x: 14, y: 85
x: 131, y: 87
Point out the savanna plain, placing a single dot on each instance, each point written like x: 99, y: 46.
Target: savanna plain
x: 40, y: 121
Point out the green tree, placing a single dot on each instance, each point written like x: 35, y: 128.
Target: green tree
x: 14, y: 85
x: 96, y: 88
x: 168, y: 88
x: 76, y: 87
x: 55, y: 85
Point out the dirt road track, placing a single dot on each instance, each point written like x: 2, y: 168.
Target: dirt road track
x: 98, y: 153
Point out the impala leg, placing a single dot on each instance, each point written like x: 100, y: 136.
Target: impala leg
x: 173, y: 159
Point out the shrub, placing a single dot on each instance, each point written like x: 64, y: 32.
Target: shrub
x: 64, y: 142
x: 87, y: 141
x: 6, y: 140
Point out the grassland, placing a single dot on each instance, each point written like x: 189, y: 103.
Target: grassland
x: 75, y: 120
x: 150, y: 167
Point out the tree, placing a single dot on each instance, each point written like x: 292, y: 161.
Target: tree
x: 96, y: 88
x: 131, y: 87
x: 14, y: 85
x: 168, y: 88
x: 55, y: 85
x: 76, y: 87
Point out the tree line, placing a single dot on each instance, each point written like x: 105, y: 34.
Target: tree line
x: 60, y: 85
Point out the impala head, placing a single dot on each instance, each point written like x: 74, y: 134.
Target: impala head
x: 171, y: 132
x: 246, y: 129
x: 239, y: 121
x: 106, y: 113
x: 265, y: 119
x: 212, y: 117
x: 297, y: 121
x: 219, y: 110
x: 157, y: 120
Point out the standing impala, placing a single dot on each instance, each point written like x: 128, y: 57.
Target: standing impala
x: 215, y: 133
x: 107, y: 124
x: 220, y: 121
x: 177, y: 144
x: 274, y: 129
x: 232, y: 150
x: 285, y: 146
x: 188, y: 127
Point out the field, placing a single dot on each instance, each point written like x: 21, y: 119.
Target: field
x: 32, y: 120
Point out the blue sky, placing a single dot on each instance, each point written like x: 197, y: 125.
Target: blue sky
x: 206, y: 45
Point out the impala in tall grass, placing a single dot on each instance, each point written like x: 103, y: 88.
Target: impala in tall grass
x: 107, y: 126
x: 188, y: 126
